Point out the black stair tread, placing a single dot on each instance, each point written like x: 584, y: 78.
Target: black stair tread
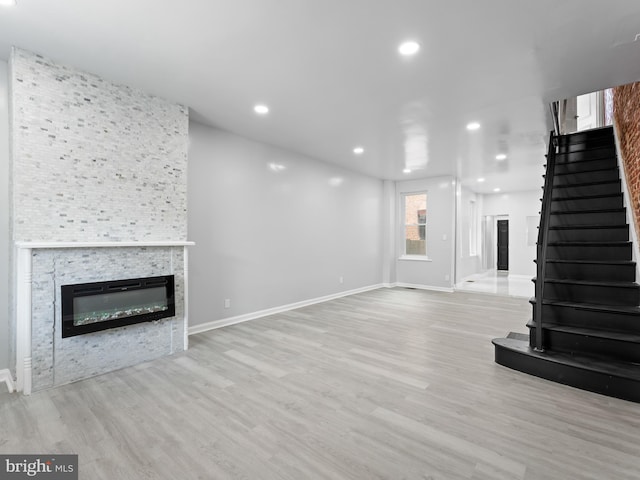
x: 557, y: 174
x: 595, y: 283
x: 591, y: 133
x: 604, y: 365
x: 584, y: 227
x: 583, y: 197
x: 594, y: 146
x: 614, y: 243
x: 591, y: 262
x: 621, y: 309
x: 594, y: 141
x: 585, y: 184
x: 610, y: 210
x: 589, y: 332
x: 604, y: 151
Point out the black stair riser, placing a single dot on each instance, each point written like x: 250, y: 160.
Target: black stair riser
x: 619, y: 387
x: 587, y: 136
x: 587, y: 218
x: 609, y: 188
x: 583, y: 344
x: 576, y: 317
x: 604, y: 252
x: 565, y: 147
x: 585, y: 166
x: 595, y: 294
x: 586, y: 177
x: 613, y: 234
x: 595, y: 203
x: 591, y: 271
x: 590, y: 154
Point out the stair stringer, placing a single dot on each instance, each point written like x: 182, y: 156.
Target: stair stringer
x: 631, y: 219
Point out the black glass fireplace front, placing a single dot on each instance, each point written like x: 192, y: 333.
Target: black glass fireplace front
x: 91, y: 307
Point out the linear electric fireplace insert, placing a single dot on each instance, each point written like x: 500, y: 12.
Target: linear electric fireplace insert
x: 91, y: 307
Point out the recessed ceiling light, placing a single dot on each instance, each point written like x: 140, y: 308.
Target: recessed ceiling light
x: 406, y: 170
x: 276, y: 167
x: 261, y: 109
x: 496, y: 189
x: 480, y: 180
x: 501, y: 156
x: 409, y: 48
x: 8, y: 3
x: 473, y: 126
x: 358, y: 150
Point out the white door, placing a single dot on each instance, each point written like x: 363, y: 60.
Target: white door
x: 587, y: 111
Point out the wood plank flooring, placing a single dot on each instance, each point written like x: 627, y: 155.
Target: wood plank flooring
x: 388, y: 384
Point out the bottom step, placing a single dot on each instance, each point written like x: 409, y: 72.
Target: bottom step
x: 612, y: 378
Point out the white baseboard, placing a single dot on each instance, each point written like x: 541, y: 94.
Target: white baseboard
x: 424, y: 287
x: 5, y: 376
x: 224, y: 322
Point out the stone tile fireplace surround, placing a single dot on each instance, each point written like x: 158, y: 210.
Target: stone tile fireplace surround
x: 98, y: 193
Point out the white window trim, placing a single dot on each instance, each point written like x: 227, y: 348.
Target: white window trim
x: 474, y: 230
x: 401, y: 229
x: 415, y: 258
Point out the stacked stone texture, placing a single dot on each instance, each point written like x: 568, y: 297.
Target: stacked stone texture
x: 93, y: 161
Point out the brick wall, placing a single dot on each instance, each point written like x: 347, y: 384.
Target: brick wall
x: 626, y: 108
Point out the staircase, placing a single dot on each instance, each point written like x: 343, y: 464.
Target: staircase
x: 589, y: 307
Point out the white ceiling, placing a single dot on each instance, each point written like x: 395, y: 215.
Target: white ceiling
x: 330, y: 72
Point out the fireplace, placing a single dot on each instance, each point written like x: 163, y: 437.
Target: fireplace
x: 92, y: 307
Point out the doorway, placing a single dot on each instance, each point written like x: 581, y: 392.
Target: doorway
x: 503, y: 245
x: 590, y: 111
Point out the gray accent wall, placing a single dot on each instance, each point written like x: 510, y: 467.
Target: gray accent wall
x: 273, y: 227
x: 4, y: 218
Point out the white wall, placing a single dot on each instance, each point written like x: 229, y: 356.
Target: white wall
x: 389, y: 234
x: 4, y: 218
x: 466, y: 264
x: 438, y: 271
x: 517, y: 206
x: 273, y: 227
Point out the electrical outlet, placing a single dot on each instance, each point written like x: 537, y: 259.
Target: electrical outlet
x: 446, y: 278
x: 341, y: 279
x: 227, y: 303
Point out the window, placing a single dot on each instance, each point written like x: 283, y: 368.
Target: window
x: 415, y: 224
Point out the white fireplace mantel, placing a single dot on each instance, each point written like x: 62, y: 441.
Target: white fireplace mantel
x: 38, y: 245
x: 23, y: 294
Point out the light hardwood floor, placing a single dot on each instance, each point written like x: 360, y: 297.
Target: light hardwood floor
x: 388, y: 384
